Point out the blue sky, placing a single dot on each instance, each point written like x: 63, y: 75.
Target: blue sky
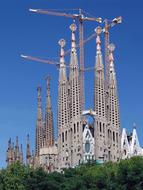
x: 38, y: 35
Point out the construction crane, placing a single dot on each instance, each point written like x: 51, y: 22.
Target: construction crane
x: 28, y: 57
x: 80, y: 17
x: 39, y: 60
x: 107, y: 25
x: 57, y: 64
x: 105, y: 30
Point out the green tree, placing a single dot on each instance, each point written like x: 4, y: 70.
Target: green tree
x: 13, y: 177
x: 124, y: 175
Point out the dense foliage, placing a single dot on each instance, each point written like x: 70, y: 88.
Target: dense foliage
x: 125, y: 175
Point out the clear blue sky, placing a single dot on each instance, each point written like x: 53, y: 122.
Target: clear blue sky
x: 37, y: 35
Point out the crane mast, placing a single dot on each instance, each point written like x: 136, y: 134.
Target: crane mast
x: 81, y: 71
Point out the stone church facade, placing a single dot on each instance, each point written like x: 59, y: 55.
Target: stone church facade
x: 78, y: 140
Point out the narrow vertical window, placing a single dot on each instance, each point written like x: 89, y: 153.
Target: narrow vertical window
x: 63, y: 137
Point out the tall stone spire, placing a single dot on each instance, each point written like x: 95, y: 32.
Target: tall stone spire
x: 63, y: 103
x: 62, y: 70
x: 113, y: 116
x: 63, y: 110
x: 75, y: 103
x: 49, y: 126
x: 39, y: 124
x: 99, y: 93
x: 10, y: 153
x: 17, y: 151
x: 21, y: 154
x: 99, y: 102
x: 13, y: 152
x: 28, y: 152
x: 113, y: 95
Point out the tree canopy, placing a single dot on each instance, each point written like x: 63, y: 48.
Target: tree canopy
x: 124, y: 175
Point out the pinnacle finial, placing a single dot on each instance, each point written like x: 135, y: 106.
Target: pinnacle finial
x: 9, y: 142
x: 134, y: 125
x: 98, y: 31
x: 73, y: 28
x: 111, y: 48
x: 39, y: 95
x: 62, y: 43
x: 39, y: 90
x: 48, y: 79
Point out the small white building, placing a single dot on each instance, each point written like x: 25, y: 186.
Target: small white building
x: 130, y: 145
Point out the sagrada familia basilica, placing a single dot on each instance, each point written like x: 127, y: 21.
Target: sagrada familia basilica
x: 79, y: 141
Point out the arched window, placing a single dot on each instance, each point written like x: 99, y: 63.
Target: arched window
x: 100, y: 127
x: 113, y: 136
x: 103, y: 127
x: 63, y: 137
x: 74, y: 128
x: 77, y: 126
x: 66, y: 136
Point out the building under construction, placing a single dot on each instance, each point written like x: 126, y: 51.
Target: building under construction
x: 79, y: 141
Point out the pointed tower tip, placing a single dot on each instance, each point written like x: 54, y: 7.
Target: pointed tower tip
x: 9, y: 143
x: 48, y: 79
x: 39, y: 88
x: 98, y: 31
x: 134, y: 125
x: 27, y: 137
x: 62, y: 43
x: 111, y: 47
x: 73, y: 28
x: 9, y: 140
